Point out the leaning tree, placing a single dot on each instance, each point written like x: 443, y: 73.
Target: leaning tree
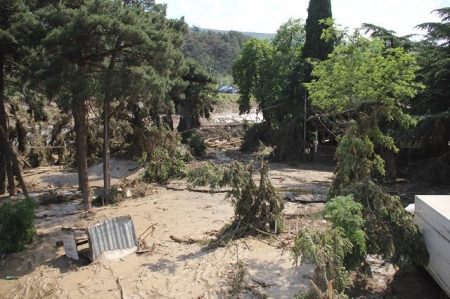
x: 362, y: 85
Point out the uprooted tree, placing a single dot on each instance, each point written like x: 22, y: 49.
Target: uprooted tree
x: 256, y: 208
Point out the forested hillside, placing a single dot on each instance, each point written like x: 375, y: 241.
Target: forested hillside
x: 214, y: 50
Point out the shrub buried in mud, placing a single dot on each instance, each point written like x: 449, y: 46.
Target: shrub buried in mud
x: 255, y: 207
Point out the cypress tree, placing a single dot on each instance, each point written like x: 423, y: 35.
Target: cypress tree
x: 315, y: 47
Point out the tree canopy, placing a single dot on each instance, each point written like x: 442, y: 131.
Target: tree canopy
x: 361, y: 86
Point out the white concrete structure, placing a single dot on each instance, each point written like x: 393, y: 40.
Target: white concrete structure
x: 432, y: 216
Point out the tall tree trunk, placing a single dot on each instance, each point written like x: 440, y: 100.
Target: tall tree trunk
x: 390, y: 164
x: 106, y: 153
x: 2, y: 172
x: 15, y: 163
x: 80, y: 113
x: 4, y: 140
x: 106, y: 107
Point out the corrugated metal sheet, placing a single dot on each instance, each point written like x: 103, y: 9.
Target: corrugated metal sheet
x: 112, y: 234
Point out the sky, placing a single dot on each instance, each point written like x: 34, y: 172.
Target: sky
x: 266, y: 16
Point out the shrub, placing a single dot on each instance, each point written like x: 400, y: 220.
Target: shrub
x: 17, y: 224
x: 163, y: 166
x: 346, y: 214
x: 256, y: 208
x: 197, y: 144
x: 116, y: 195
x: 52, y: 197
x: 255, y: 135
x: 326, y: 249
x: 391, y: 231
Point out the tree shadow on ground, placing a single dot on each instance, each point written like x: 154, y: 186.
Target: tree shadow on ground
x: 413, y: 282
x: 65, y: 264
x: 267, y: 280
x: 162, y: 264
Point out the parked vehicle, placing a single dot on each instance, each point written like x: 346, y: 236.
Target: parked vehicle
x: 227, y: 89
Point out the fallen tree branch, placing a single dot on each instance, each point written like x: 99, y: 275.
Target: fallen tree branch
x: 263, y: 284
x: 197, y: 190
x: 120, y: 287
x: 185, y: 240
x: 267, y: 234
x: 150, y: 227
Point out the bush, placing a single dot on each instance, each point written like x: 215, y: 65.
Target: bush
x: 116, y: 195
x: 391, y: 231
x: 52, y: 197
x: 346, y: 214
x: 256, y: 208
x: 255, y: 135
x: 326, y: 249
x: 197, y: 144
x: 17, y: 224
x: 163, y: 166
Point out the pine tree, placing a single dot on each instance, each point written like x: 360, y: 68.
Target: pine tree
x: 15, y: 23
x: 110, y: 50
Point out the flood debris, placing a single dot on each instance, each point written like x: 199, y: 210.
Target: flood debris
x: 109, y: 239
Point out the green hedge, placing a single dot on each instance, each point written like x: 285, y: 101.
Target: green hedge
x: 17, y: 224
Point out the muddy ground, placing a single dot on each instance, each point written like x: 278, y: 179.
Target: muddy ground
x: 170, y: 269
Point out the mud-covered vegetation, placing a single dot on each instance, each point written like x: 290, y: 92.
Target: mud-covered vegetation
x: 256, y: 208
x: 84, y: 80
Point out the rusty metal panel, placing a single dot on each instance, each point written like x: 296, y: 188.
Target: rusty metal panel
x: 112, y: 234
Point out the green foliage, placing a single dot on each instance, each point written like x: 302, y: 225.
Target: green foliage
x: 198, y: 92
x: 255, y: 135
x: 252, y: 73
x: 315, y: 46
x: 364, y: 85
x: 388, y: 36
x: 356, y: 158
x: 376, y: 81
x: 346, y: 214
x: 17, y: 224
x: 52, y: 197
x: 273, y: 74
x: 163, y: 166
x: 197, y: 144
x: 116, y: 195
x: 215, y: 51
x: 145, y: 140
x: 327, y: 250
x: 391, y: 231
x: 432, y: 105
x: 255, y: 207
